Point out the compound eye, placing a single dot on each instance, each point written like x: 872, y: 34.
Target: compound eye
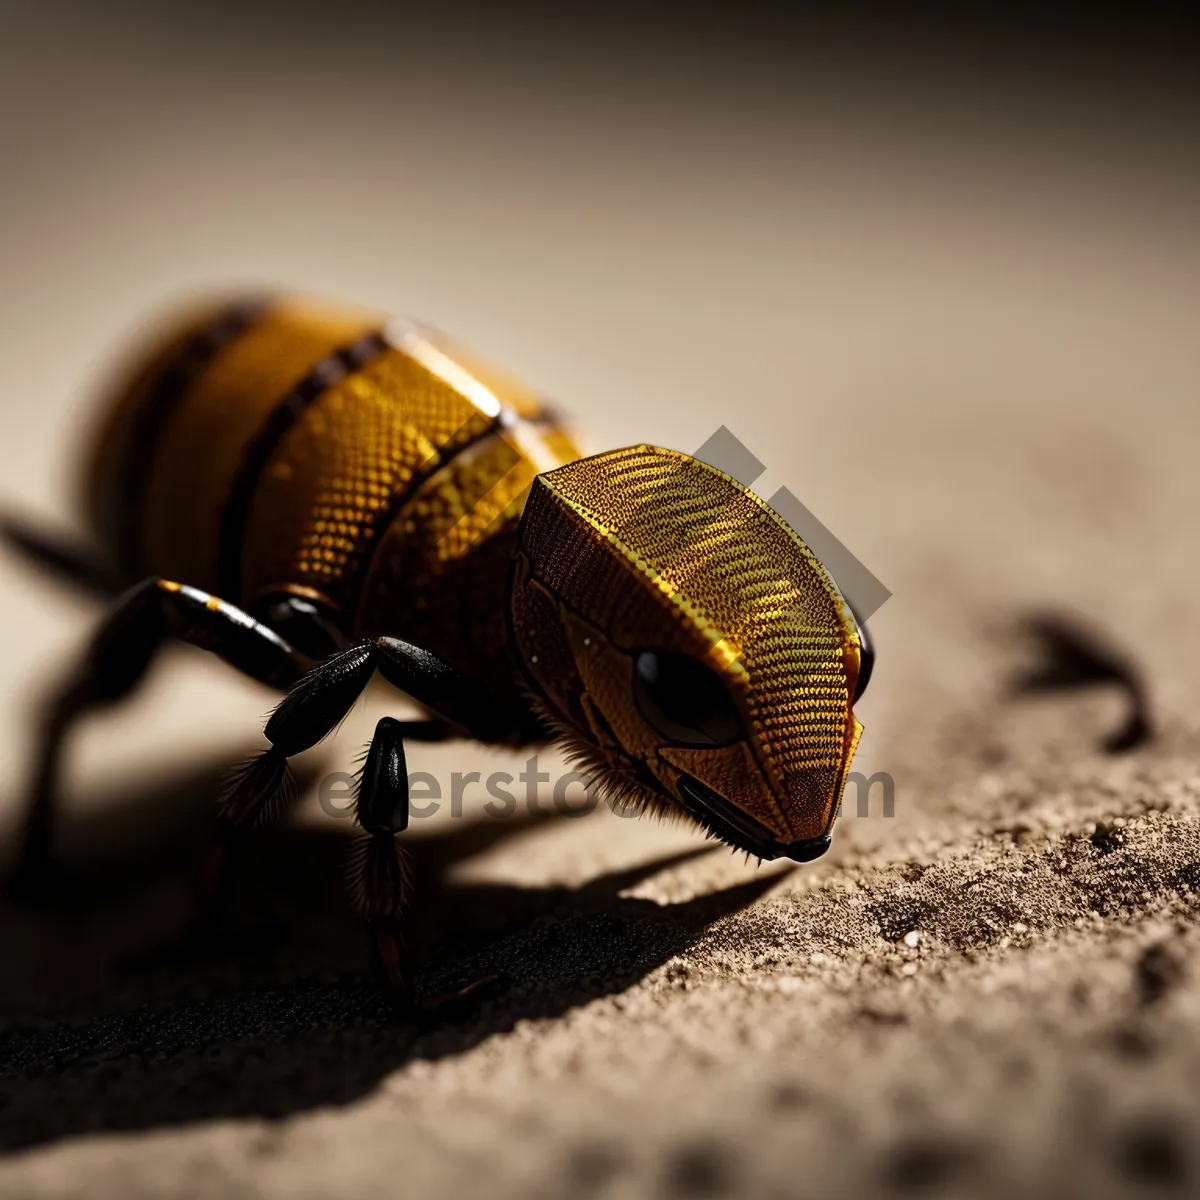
x: 866, y: 662
x: 684, y: 700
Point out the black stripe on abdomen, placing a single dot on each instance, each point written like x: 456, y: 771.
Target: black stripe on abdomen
x: 445, y: 455
x: 236, y: 512
x: 153, y: 415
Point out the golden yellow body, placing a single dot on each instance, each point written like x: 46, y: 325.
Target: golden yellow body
x: 289, y: 448
x: 389, y: 492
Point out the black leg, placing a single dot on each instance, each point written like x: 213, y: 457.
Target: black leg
x: 379, y: 874
x: 313, y: 708
x: 305, y: 623
x: 323, y: 697
x: 114, y: 664
x: 255, y: 794
x: 380, y: 879
x: 62, y: 556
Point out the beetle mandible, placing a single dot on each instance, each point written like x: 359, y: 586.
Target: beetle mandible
x: 315, y: 494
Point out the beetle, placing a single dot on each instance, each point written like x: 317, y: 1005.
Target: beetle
x: 315, y: 494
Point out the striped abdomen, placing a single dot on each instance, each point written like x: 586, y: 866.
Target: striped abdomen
x: 284, y: 446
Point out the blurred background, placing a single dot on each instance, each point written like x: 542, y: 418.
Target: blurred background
x: 942, y: 276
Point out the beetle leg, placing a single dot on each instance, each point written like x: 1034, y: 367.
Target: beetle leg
x: 315, y: 704
x: 61, y: 555
x: 310, y: 626
x: 310, y: 711
x: 114, y: 664
x: 380, y: 879
x: 379, y: 873
x: 444, y: 690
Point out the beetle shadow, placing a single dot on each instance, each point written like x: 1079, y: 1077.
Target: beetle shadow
x: 1071, y: 657
x: 282, y: 1017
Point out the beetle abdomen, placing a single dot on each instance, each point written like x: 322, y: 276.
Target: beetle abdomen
x: 178, y: 435
x: 282, y: 445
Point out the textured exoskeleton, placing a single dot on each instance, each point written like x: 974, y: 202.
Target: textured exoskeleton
x: 316, y: 494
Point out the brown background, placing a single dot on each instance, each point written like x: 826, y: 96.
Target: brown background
x: 947, y: 290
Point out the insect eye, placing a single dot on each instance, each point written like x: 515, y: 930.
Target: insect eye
x: 684, y: 700
x: 866, y: 662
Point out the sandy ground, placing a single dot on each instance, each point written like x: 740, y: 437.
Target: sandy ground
x: 963, y: 334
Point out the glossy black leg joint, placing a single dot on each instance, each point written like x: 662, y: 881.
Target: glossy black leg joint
x: 313, y: 628
x: 234, y: 636
x: 319, y: 701
x: 444, y: 690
